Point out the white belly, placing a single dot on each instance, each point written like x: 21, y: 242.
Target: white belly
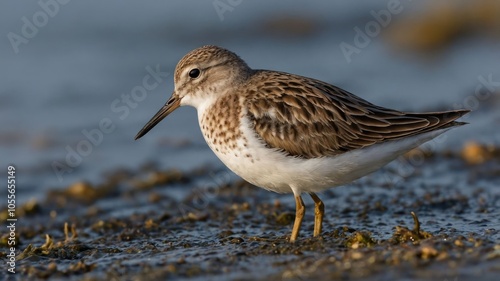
x: 273, y: 170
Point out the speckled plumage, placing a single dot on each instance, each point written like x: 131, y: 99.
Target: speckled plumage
x: 309, y: 118
x: 288, y: 133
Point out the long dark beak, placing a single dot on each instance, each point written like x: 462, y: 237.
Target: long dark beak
x: 172, y: 104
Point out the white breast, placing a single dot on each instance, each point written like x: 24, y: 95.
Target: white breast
x: 273, y: 170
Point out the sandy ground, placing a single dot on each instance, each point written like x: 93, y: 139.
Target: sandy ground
x: 130, y: 228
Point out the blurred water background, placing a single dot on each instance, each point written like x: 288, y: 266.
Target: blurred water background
x: 66, y: 66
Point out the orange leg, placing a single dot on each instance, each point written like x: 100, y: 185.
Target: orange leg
x: 319, y: 211
x: 300, y: 210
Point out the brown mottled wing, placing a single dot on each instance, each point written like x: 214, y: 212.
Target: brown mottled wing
x: 308, y: 118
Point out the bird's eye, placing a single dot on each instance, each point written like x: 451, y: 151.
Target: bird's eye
x: 194, y: 73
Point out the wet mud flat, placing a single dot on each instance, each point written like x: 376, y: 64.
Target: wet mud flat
x: 152, y: 224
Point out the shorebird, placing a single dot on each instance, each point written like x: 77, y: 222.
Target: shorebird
x: 292, y: 134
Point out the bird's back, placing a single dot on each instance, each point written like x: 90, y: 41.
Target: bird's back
x: 309, y: 118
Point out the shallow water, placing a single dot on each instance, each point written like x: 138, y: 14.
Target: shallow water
x: 67, y: 78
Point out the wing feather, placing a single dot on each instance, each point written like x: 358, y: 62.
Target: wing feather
x: 309, y: 118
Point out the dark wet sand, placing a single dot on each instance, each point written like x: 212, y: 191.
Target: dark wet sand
x: 129, y: 227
